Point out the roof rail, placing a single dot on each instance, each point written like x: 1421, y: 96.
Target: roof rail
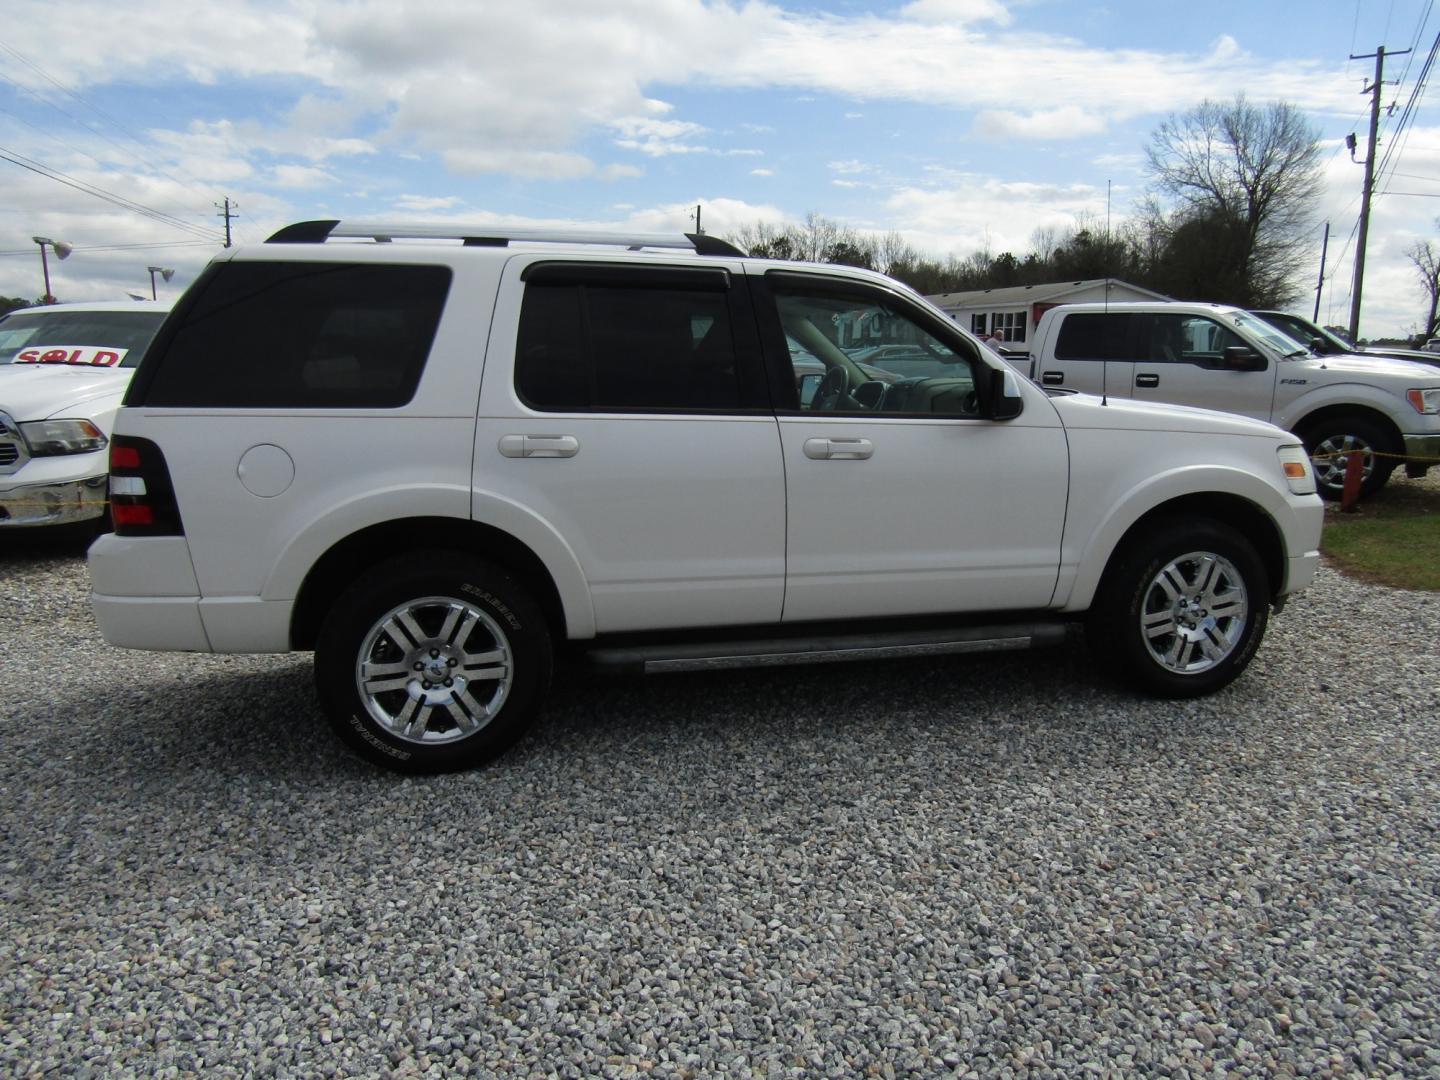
x: 317, y: 232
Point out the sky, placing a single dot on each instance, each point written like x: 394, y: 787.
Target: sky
x: 963, y: 125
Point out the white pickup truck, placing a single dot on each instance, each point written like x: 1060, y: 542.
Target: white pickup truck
x: 63, y: 370
x: 1220, y: 357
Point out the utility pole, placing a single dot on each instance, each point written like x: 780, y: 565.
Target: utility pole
x: 227, y: 215
x: 698, y: 229
x: 1374, y: 91
x: 1320, y: 284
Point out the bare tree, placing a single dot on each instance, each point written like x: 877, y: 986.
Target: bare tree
x: 1427, y: 267
x: 1250, y: 174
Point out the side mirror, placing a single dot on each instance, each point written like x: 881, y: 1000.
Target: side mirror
x: 1004, y: 400
x: 1242, y: 358
x: 808, y: 385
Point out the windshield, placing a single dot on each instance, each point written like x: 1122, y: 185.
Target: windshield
x: 77, y: 337
x: 1273, y: 338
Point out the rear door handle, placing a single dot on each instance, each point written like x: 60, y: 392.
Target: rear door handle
x: 838, y: 449
x: 1053, y: 378
x: 1147, y: 380
x: 547, y: 446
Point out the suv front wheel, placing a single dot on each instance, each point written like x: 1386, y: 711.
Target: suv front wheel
x: 432, y: 661
x: 1182, y: 611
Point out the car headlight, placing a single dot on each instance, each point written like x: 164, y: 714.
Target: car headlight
x: 1295, y: 464
x: 1425, y: 401
x: 48, y: 438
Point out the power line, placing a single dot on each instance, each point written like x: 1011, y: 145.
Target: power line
x: 16, y: 158
x: 146, y: 148
x: 30, y: 251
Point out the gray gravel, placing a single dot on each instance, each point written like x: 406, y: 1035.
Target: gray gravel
x: 990, y: 867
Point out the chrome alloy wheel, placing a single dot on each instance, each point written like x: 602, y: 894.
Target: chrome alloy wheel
x: 1331, y: 456
x: 434, y: 670
x: 1194, y: 612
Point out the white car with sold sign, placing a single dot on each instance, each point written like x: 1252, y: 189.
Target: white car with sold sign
x: 63, y: 370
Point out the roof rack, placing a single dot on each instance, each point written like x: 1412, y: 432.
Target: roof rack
x: 317, y: 232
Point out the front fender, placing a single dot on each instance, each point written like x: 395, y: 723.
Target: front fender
x: 1087, y: 556
x: 1358, y: 396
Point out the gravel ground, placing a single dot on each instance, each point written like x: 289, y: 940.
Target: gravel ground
x: 991, y: 867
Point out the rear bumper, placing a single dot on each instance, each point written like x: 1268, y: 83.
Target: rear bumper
x: 146, y: 596
x: 65, y: 503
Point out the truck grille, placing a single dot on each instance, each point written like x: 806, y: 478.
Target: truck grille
x: 9, y: 453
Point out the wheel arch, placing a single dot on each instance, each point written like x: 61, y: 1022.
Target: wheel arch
x: 1326, y: 413
x: 1236, y: 511
x: 353, y: 554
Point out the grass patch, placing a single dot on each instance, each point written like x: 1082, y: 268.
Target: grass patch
x: 1394, y: 539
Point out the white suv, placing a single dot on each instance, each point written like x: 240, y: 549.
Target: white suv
x: 438, y: 457
x: 63, y: 371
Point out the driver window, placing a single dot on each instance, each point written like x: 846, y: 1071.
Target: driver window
x: 859, y: 357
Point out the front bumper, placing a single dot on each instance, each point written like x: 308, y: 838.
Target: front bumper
x: 1423, y: 446
x: 63, y: 503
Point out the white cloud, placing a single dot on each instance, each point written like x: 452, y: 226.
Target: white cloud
x: 1068, y: 122
x: 762, y: 172
x: 956, y: 11
x: 300, y: 176
x: 531, y: 164
x: 427, y: 202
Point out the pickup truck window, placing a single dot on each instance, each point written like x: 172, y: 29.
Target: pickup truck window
x: 125, y: 332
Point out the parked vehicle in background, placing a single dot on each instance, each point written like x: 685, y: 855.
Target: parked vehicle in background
x: 1323, y: 342
x: 438, y: 464
x: 63, y: 370
x: 1432, y: 346
x: 1219, y: 357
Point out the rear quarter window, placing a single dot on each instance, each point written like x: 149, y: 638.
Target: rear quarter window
x: 297, y: 335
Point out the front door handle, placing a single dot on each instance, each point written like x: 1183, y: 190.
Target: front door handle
x: 547, y: 446
x: 1147, y: 380
x: 838, y: 449
x: 1053, y: 378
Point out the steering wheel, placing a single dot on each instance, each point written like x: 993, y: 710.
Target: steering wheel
x: 831, y: 391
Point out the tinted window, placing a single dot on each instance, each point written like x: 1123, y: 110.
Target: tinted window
x: 1097, y: 336
x: 587, y: 346
x: 85, y: 337
x: 301, y: 335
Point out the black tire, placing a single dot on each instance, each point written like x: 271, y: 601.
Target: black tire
x: 460, y: 660
x: 1159, y: 623
x: 1329, y: 438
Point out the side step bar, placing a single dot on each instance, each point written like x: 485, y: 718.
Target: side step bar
x: 774, y: 652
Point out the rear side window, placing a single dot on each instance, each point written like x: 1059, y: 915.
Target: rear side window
x: 628, y: 341
x: 299, y: 335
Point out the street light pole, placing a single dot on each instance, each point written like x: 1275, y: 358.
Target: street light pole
x: 163, y: 271
x: 62, y: 251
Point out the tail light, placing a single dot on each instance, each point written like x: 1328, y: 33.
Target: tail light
x: 142, y: 499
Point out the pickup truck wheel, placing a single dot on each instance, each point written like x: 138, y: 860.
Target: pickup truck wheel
x: 1330, y: 443
x: 432, y: 662
x: 1182, y: 611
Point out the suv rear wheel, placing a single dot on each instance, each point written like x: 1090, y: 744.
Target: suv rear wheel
x: 1183, y: 610
x: 432, y: 661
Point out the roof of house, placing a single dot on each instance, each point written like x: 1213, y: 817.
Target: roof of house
x: 1033, y: 294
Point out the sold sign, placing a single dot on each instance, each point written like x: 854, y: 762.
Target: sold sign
x: 69, y: 354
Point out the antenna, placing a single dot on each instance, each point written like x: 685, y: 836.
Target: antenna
x: 1104, y: 362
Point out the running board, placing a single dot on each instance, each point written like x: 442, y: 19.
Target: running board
x: 833, y: 648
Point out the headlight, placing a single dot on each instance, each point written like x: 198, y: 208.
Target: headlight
x: 1295, y: 464
x: 48, y: 438
x: 1425, y: 401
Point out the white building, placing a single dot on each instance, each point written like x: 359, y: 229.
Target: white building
x: 1013, y: 312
